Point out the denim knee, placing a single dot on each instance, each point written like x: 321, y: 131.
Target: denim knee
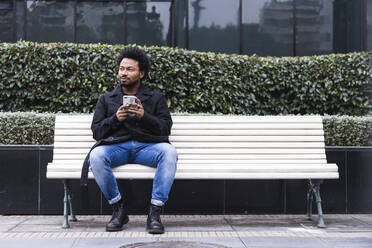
x: 97, y: 156
x: 169, y: 152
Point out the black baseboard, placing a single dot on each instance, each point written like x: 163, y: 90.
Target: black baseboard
x: 24, y: 189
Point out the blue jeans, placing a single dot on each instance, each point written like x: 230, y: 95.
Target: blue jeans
x: 162, y: 156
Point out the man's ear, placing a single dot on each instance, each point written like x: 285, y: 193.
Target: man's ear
x: 142, y: 74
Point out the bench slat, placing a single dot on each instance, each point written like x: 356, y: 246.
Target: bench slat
x: 222, y: 167
x: 217, y: 156
x: 79, y: 162
x: 210, y: 118
x: 213, y: 126
x: 236, y: 151
x: 195, y: 138
x: 210, y: 175
x: 178, y: 145
x: 88, y: 132
x: 87, y: 145
x: 241, y: 151
x: 180, y: 132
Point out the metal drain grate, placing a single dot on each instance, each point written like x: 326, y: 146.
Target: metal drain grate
x: 173, y: 244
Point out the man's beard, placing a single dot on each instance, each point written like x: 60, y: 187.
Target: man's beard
x: 130, y: 85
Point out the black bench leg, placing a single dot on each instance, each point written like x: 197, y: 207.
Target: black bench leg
x: 67, y: 205
x: 65, y: 224
x: 319, y: 203
x: 315, y: 188
x: 309, y: 205
x: 69, y: 198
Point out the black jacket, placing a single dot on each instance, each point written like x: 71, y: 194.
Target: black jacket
x: 153, y: 127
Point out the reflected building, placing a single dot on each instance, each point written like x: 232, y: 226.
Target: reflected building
x: 49, y: 21
x: 326, y: 27
x: 308, y: 26
x: 276, y: 20
x: 100, y: 22
x: 262, y: 27
x: 6, y: 17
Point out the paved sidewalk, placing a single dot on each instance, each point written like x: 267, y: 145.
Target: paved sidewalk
x: 189, y: 231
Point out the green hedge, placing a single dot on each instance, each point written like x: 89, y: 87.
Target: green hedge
x: 347, y: 131
x: 67, y: 77
x: 38, y: 129
x: 27, y: 128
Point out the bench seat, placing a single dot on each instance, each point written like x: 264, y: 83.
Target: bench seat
x: 214, y: 147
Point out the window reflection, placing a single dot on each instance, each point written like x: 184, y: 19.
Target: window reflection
x: 49, y: 21
x: 100, y: 22
x: 369, y: 25
x: 314, y: 27
x: 267, y: 27
x: 149, y: 23
x: 6, y: 17
x: 213, y: 25
x: 322, y: 26
x: 347, y: 26
x: 20, y: 13
x: 181, y: 23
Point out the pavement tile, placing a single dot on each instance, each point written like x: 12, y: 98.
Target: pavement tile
x: 196, y: 224
x: 47, y: 228
x: 37, y: 243
x: 264, y: 222
x: 285, y: 242
x: 44, y: 220
x: 228, y: 242
x: 348, y: 242
x: 5, y: 228
x: 110, y: 242
x: 12, y: 220
x: 366, y: 218
x: 341, y: 223
x: 226, y: 230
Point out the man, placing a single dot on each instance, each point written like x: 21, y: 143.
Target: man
x: 136, y: 133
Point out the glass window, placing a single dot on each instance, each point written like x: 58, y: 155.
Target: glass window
x: 369, y: 25
x: 347, y: 26
x: 6, y: 21
x: 268, y: 27
x: 148, y: 23
x: 181, y: 23
x: 20, y: 17
x: 213, y: 25
x: 50, y: 21
x: 314, y: 21
x: 100, y: 22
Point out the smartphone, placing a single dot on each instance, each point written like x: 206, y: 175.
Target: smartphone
x: 128, y: 101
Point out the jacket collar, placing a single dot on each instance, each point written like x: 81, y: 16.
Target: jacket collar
x: 143, y: 92
x: 116, y: 91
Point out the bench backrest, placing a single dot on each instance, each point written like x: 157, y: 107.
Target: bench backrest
x: 219, y: 146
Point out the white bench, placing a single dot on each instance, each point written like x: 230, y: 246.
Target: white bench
x: 213, y: 147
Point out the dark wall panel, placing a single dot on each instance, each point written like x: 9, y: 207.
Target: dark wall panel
x: 19, y: 180
x: 24, y: 189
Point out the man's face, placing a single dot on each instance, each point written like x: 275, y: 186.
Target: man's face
x: 129, y: 73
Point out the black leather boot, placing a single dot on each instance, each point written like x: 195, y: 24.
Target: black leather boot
x: 154, y: 224
x: 118, y: 219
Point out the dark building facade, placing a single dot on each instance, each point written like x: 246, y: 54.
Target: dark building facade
x: 262, y: 27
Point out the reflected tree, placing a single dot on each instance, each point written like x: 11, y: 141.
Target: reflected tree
x: 215, y: 39
x: 197, y: 10
x: 144, y: 28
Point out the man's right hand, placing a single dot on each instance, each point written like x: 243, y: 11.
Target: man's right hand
x: 122, y: 113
